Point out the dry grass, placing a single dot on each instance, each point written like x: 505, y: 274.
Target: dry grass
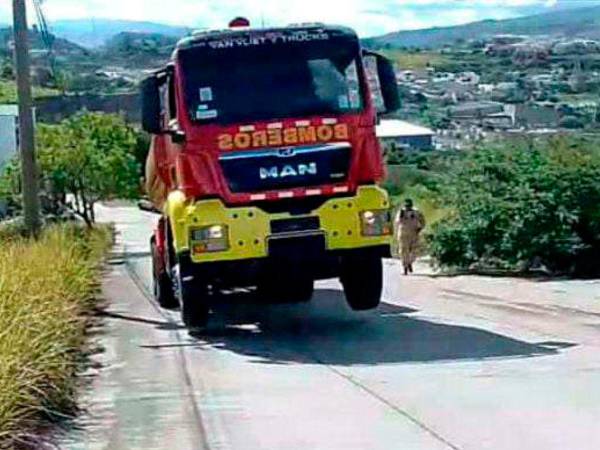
x: 47, y: 287
x: 415, y: 61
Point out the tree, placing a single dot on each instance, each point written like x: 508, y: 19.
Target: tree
x: 10, y: 185
x: 88, y: 158
x: 7, y: 71
x: 512, y: 206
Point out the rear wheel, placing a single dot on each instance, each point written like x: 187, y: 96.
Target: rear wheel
x: 163, y: 290
x: 193, y: 296
x: 362, y: 278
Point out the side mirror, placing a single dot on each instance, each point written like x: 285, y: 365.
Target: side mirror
x: 382, y: 81
x: 389, y: 84
x: 147, y: 206
x: 151, y: 107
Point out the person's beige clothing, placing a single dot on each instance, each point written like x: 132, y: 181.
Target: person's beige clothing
x: 409, y: 224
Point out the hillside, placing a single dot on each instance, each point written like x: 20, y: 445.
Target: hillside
x: 138, y: 50
x: 580, y: 22
x: 97, y: 32
x: 61, y: 47
x: 127, y: 42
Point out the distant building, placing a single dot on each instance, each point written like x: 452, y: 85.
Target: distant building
x: 398, y: 134
x: 475, y: 110
x: 578, y: 79
x: 498, y: 121
x: 406, y: 76
x: 531, y: 53
x: 536, y: 116
x: 8, y: 132
x: 576, y: 47
x: 470, y: 78
x: 499, y: 50
x: 507, y: 39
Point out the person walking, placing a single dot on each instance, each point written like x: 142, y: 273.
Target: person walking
x: 409, y: 222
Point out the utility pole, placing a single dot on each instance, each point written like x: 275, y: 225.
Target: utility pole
x: 31, y: 201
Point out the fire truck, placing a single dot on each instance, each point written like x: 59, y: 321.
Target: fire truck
x: 265, y: 166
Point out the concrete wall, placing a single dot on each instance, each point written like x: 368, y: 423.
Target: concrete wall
x: 424, y: 142
x: 55, y: 109
x: 536, y: 116
x: 8, y: 138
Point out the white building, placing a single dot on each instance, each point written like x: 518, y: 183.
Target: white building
x: 8, y: 132
x: 404, y: 135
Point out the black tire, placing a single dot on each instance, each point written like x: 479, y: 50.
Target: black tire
x: 362, y: 278
x: 163, y: 291
x: 193, y: 297
x: 302, y: 290
x: 280, y: 290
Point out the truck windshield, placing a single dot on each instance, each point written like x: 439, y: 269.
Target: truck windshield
x: 266, y: 82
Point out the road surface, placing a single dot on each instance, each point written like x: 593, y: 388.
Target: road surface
x: 446, y: 363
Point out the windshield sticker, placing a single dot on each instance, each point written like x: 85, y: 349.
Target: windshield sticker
x: 207, y: 114
x: 202, y: 107
x: 344, y: 102
x: 354, y: 99
x: 271, y: 38
x: 206, y: 94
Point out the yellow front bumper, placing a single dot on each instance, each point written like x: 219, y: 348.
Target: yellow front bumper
x: 249, y: 228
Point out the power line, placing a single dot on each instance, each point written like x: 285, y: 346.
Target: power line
x: 48, y: 38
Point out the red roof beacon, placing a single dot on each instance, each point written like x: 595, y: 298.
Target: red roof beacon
x: 239, y: 22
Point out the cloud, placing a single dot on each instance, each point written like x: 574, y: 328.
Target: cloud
x: 367, y: 16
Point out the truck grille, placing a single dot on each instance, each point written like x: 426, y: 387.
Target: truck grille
x: 286, y: 168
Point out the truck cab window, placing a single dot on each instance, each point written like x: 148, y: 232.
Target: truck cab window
x: 272, y: 81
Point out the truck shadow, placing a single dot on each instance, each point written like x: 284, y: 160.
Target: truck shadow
x: 326, y: 331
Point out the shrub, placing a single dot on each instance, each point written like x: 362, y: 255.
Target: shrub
x: 571, y: 122
x: 46, y: 289
x: 8, y: 92
x: 514, y: 206
x: 10, y: 184
x: 400, y: 178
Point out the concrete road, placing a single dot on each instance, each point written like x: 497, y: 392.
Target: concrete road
x: 446, y: 363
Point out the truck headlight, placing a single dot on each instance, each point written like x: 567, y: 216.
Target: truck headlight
x: 210, y: 239
x: 376, y: 223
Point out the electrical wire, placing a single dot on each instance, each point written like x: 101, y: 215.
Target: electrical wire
x: 48, y: 38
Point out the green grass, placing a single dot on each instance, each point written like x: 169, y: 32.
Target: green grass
x: 427, y: 204
x: 407, y: 181
x: 47, y: 288
x: 8, y: 92
x: 414, y: 61
x: 430, y: 208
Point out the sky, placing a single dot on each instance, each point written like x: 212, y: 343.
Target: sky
x: 368, y: 17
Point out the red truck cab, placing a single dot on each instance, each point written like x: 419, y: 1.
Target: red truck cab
x: 265, y: 164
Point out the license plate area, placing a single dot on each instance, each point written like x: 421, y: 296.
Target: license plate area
x: 297, y: 247
x: 295, y: 225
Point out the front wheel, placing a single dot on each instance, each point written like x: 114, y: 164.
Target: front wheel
x: 193, y: 296
x: 362, y: 278
x: 162, y: 285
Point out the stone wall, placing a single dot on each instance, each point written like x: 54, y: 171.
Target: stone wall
x: 55, y: 109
